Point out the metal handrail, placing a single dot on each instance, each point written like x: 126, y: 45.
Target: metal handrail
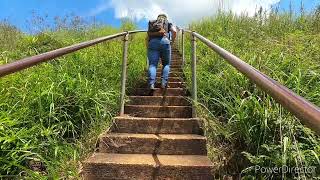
x: 34, y: 60
x: 297, y: 105
x: 37, y: 59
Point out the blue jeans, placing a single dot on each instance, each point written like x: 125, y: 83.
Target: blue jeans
x: 159, y: 48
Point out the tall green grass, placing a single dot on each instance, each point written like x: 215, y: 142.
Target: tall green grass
x: 52, y: 114
x: 245, y: 126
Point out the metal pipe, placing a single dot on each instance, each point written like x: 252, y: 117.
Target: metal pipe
x: 147, y: 62
x: 297, y: 105
x: 25, y: 63
x: 124, y: 72
x: 136, y: 31
x: 182, y: 44
x: 194, y: 74
x: 178, y: 40
x: 180, y: 36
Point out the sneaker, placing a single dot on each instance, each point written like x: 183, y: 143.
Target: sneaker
x: 152, y: 87
x: 164, y: 86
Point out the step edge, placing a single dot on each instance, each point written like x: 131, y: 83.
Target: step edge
x: 146, y: 118
x: 120, y: 135
x: 161, y: 89
x: 181, y: 97
x: 88, y: 161
x: 152, y: 136
x: 208, y: 162
x: 156, y: 106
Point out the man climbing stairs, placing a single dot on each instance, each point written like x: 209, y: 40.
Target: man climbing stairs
x: 156, y: 139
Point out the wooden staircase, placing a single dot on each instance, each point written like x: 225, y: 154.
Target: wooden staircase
x: 156, y: 139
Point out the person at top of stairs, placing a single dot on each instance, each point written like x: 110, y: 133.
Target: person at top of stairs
x: 159, y: 47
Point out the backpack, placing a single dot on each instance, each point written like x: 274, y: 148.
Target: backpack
x: 156, y: 25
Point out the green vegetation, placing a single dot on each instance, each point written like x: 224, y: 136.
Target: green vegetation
x: 52, y: 114
x: 246, y: 127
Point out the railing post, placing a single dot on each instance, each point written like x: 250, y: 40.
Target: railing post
x: 182, y: 44
x: 147, y: 61
x: 124, y: 72
x: 177, y: 40
x: 194, y: 74
x: 147, y: 47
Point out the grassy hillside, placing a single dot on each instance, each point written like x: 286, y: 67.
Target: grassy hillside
x: 51, y: 115
x: 245, y: 126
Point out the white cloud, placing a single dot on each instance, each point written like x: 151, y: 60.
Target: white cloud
x: 99, y: 9
x: 181, y: 12
x: 250, y: 6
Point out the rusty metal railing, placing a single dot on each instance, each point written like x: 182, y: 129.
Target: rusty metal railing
x: 37, y: 59
x: 297, y: 105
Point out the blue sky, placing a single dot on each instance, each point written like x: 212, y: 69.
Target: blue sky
x: 307, y: 4
x: 17, y: 12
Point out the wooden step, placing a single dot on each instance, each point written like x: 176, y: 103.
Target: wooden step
x: 171, y: 74
x: 172, y: 144
x: 171, y: 79
x: 158, y: 111
x: 142, y: 125
x: 171, y: 69
x: 176, y: 62
x: 103, y: 166
x: 182, y: 144
x: 170, y: 84
x: 160, y: 92
x: 172, y: 66
x: 184, y: 167
x: 125, y: 143
x: 159, y: 100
